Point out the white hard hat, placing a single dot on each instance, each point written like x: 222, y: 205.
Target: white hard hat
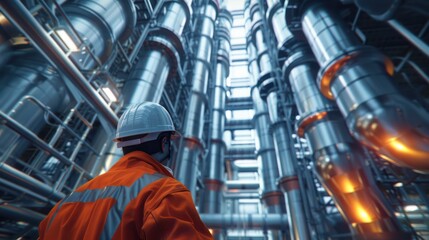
x: 144, y: 118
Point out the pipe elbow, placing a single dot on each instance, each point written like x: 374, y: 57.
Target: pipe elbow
x: 345, y: 176
x: 395, y: 128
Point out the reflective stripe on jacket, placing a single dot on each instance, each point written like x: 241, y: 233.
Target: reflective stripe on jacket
x: 136, y: 199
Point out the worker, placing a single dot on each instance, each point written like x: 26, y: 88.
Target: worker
x: 138, y: 198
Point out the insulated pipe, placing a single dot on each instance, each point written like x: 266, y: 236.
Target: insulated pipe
x: 22, y: 18
x: 283, y: 144
x: 101, y: 24
x: 163, y: 54
x: 27, y: 75
x: 271, y: 196
x: 339, y: 158
x: 376, y: 113
x: 251, y: 221
x: 192, y: 147
x: 211, y: 197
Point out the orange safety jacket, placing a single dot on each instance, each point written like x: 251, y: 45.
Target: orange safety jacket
x: 137, y: 198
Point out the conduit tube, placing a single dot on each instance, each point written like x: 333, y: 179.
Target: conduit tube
x: 192, y: 147
x: 271, y: 195
x: 288, y: 179
x: 376, y: 113
x: 250, y: 221
x: 339, y: 158
x: 211, y: 197
x: 163, y: 54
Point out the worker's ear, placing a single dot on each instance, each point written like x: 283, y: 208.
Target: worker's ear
x: 165, y: 145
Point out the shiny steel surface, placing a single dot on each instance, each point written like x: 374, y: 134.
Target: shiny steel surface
x: 189, y: 154
x: 212, y: 198
x: 101, y: 24
x: 252, y: 221
x: 339, y: 160
x: 161, y: 57
x: 376, y: 112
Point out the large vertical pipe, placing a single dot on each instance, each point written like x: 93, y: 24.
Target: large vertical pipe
x: 339, y: 158
x: 162, y: 55
x: 258, y: 64
x: 192, y: 147
x: 288, y: 181
x: 211, y: 197
x: 359, y: 79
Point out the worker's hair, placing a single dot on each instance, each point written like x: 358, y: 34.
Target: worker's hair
x: 150, y: 147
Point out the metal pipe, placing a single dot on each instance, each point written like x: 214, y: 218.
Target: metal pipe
x: 31, y: 137
x: 22, y: 18
x: 241, y: 195
x: 191, y: 150
x: 4, y: 50
x: 101, y: 24
x: 339, y: 160
x: 376, y: 112
x: 410, y: 36
x: 242, y: 184
x: 241, y: 124
x: 163, y: 54
x: 21, y: 214
x: 241, y: 149
x: 258, y: 66
x: 240, y: 156
x: 236, y: 103
x: 211, y: 197
x: 250, y: 221
x: 28, y: 74
x: 282, y: 143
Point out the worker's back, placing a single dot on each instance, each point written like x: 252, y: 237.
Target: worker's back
x: 136, y: 199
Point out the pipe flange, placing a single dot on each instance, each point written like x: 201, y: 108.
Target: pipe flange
x: 81, y: 11
x: 272, y: 198
x: 166, y: 48
x: 299, y: 57
x: 224, y: 13
x: 196, y: 142
x: 266, y: 84
x: 289, y: 183
x: 213, y: 184
x: 328, y: 72
x: 313, y: 117
x: 173, y: 40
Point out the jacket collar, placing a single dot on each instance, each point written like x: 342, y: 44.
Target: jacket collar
x: 138, y: 156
